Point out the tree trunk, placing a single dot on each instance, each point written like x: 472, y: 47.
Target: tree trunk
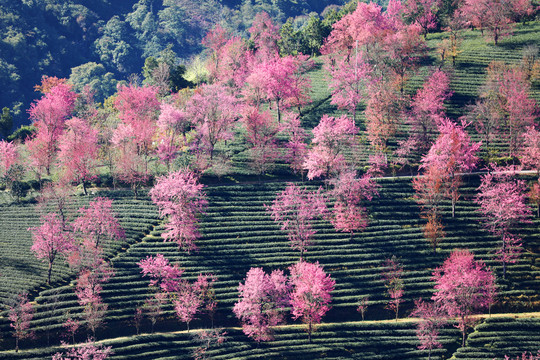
x: 84, y: 187
x: 16, y: 344
x: 310, y: 329
x: 429, y: 354
x: 49, y: 274
x: 453, y: 207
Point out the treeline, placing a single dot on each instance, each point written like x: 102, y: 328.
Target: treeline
x: 101, y: 42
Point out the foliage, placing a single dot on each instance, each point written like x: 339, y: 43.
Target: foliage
x: 180, y: 199
x: 310, y: 294
x: 262, y: 302
x: 392, y: 274
x: 463, y: 286
x: 295, y: 209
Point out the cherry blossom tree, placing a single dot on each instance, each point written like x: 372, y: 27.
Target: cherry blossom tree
x: 88, y: 292
x: 54, y: 197
x: 265, y: 35
x: 385, y: 109
x: 277, y: 80
x: 430, y: 190
x: 8, y: 157
x: 422, y: 12
x: 348, y: 213
x: 98, y: 222
x: 507, y: 102
x: 294, y: 209
x: 296, y: 145
x: 187, y: 302
x: 520, y: 108
x: 311, y: 293
x: 207, y: 338
x: 78, y: 151
x: 261, y: 134
x: 171, y: 123
x: 487, y: 120
x: 530, y: 153
x: 262, y: 302
x: 463, y: 286
x: 453, y: 152
x: 164, y: 276
x: 214, y: 110
x: 49, y: 115
x: 330, y: 138
x: 181, y: 200
x: 349, y: 80
x: 71, y: 327
x: 230, y: 60
x: 392, y: 277
x: 428, y: 109
x: 139, y: 107
x: 502, y: 203
x: 51, y: 240
x: 20, y: 314
x: 362, y: 307
x: 87, y: 351
x: 534, y: 196
x: 153, y: 307
x: 204, y: 287
x: 432, y: 319
x: 493, y: 16
x: 129, y: 164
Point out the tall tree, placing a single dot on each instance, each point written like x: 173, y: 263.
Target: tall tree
x: 20, y: 314
x: 78, y: 151
x: 348, y: 213
x: 49, y: 115
x: 277, y: 80
x: 50, y: 240
x: 392, y: 274
x: 261, y: 134
x: 427, y: 109
x: 432, y: 319
x: 422, y: 12
x: 502, y: 203
x: 262, y: 302
x: 453, y: 152
x: 138, y: 107
x: 180, y: 199
x: 214, y: 110
x: 330, y: 138
x: 98, y: 222
x: 463, y: 286
x: 310, y: 294
x: 129, y: 164
x: 294, y: 209
x: 172, y: 123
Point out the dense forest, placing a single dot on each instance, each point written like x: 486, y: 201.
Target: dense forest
x: 104, y: 41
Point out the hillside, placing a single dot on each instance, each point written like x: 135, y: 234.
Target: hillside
x: 107, y: 41
x: 238, y: 233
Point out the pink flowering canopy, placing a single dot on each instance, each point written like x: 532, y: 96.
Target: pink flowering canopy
x: 262, y: 302
x: 180, y: 199
x: 50, y: 240
x: 463, y: 287
x: 98, y: 222
x: 294, y: 209
x: 311, y: 291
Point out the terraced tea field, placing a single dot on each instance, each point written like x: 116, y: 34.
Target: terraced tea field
x: 238, y: 234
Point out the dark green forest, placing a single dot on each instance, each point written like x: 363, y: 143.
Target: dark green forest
x: 101, y: 42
